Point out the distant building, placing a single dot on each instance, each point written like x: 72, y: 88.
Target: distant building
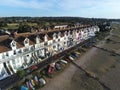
x: 105, y: 26
x: 60, y: 26
x: 4, y: 32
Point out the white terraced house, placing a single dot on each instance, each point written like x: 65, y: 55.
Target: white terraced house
x: 27, y: 49
x: 60, y: 26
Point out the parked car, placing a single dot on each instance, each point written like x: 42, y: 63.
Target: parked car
x: 67, y: 59
x: 51, y: 68
x: 24, y: 88
x: 71, y: 58
x: 77, y: 53
x: 42, y: 81
x: 74, y: 55
x: 41, y: 57
x: 57, y: 66
x: 34, y: 67
x: 63, y: 61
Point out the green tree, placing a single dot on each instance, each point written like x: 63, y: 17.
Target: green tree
x: 24, y: 28
x: 21, y: 73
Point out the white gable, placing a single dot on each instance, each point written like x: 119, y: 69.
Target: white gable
x: 37, y: 39
x: 54, y: 36
x: 59, y: 35
x: 46, y: 38
x: 13, y: 45
x: 26, y: 42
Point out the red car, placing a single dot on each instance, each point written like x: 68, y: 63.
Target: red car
x: 67, y: 59
x: 51, y: 68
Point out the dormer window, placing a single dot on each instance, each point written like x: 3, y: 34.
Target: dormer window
x: 37, y: 39
x: 46, y: 38
x: 69, y: 33
x: 13, y: 45
x: 54, y: 36
x: 59, y: 34
x: 65, y: 32
x: 26, y: 42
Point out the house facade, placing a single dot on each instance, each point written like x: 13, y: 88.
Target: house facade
x: 25, y: 50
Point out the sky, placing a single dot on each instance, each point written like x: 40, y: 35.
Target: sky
x: 75, y: 8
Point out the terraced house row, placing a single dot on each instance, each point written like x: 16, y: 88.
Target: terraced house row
x: 21, y: 51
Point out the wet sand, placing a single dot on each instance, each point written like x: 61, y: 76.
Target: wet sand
x: 98, y: 62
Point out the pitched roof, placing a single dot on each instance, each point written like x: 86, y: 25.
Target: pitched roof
x: 5, y: 43
x: 5, y: 40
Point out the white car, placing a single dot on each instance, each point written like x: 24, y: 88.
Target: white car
x: 42, y: 81
x: 63, y: 61
x: 71, y: 58
x: 77, y: 53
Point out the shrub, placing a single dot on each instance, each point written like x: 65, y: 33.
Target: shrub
x: 21, y: 73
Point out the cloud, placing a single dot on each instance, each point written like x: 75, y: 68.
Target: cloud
x: 87, y: 8
x: 35, y: 4
x: 83, y: 4
x: 91, y: 8
x: 76, y: 4
x: 62, y: 4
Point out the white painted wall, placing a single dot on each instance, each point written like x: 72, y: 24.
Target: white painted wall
x: 26, y: 42
x: 3, y: 72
